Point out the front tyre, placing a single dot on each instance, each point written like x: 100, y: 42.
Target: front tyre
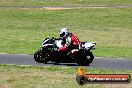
x: 39, y: 57
x: 85, y: 61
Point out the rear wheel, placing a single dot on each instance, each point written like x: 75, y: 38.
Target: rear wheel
x: 39, y: 57
x: 85, y: 60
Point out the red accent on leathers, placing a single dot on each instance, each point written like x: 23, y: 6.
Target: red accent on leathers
x: 63, y: 49
x: 74, y: 42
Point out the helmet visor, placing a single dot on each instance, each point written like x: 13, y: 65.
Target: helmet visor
x: 62, y: 34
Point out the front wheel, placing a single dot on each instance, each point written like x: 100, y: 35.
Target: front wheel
x: 85, y: 61
x: 39, y: 57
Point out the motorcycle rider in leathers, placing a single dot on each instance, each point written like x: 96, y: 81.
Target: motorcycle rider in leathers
x: 72, y: 43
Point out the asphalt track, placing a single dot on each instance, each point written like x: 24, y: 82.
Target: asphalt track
x: 108, y: 63
x: 70, y: 7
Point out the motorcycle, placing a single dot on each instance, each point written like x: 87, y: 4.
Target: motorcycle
x: 49, y: 52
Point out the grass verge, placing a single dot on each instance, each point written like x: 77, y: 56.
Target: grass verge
x: 13, y: 76
x: 22, y: 30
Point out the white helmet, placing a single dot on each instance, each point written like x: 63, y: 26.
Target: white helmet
x: 63, y: 32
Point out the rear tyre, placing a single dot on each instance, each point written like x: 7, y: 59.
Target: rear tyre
x: 39, y: 57
x: 85, y: 61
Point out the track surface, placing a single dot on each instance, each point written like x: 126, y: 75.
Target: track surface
x: 121, y: 64
x: 70, y: 7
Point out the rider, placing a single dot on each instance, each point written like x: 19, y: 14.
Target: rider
x: 72, y: 43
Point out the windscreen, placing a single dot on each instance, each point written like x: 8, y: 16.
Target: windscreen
x: 48, y: 41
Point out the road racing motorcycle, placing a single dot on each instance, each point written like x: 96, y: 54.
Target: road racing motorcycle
x: 48, y: 52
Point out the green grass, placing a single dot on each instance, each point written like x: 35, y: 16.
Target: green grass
x: 12, y: 76
x: 61, y: 2
x: 22, y: 30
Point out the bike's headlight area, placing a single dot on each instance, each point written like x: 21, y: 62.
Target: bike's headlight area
x: 93, y: 47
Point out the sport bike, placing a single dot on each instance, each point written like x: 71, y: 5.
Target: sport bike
x: 48, y: 52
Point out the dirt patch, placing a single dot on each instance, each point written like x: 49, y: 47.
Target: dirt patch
x: 63, y: 8
x: 53, y: 8
x: 3, y: 1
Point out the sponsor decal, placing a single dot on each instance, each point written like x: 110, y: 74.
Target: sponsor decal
x: 83, y: 78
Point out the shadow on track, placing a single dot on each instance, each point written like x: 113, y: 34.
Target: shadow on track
x: 62, y: 64
x: 65, y: 64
